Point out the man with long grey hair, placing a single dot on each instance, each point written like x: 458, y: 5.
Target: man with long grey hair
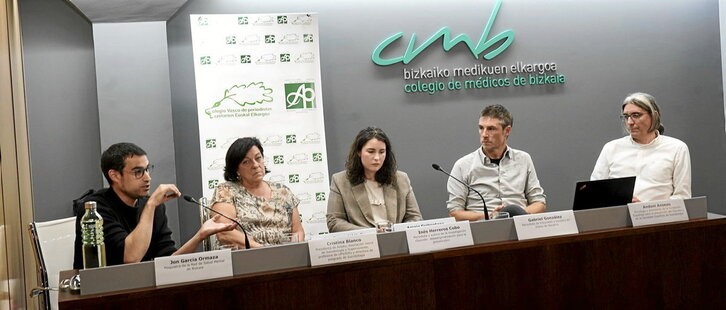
x: 661, y: 164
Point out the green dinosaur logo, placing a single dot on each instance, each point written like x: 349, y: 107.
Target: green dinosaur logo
x: 241, y: 95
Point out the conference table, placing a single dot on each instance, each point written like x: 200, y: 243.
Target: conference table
x: 667, y: 266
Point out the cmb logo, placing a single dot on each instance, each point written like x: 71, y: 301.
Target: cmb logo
x: 300, y: 96
x: 489, y: 46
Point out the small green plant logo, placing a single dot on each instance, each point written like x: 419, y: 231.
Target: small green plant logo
x: 269, y: 38
x: 290, y: 139
x: 307, y: 37
x: 293, y: 178
x: 284, y: 57
x: 242, y: 20
x: 282, y: 19
x: 211, y: 143
x: 278, y: 159
x: 320, y: 196
x: 205, y: 60
x: 245, y: 59
x: 211, y: 184
x: 300, y: 96
x: 317, y: 156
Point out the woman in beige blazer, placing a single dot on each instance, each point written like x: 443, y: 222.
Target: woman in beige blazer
x: 370, y: 190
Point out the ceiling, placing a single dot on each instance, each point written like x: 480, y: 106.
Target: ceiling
x: 124, y: 11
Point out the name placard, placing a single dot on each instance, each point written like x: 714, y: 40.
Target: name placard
x: 657, y: 212
x: 439, y: 237
x: 426, y: 223
x: 343, y: 249
x: 193, y: 267
x: 548, y: 224
x: 349, y: 233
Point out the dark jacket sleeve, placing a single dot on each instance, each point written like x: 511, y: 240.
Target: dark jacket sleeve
x: 114, y: 235
x: 161, y: 242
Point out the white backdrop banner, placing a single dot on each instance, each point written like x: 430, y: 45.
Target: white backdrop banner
x: 259, y: 75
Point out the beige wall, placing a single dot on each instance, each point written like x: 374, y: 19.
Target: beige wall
x: 17, y: 274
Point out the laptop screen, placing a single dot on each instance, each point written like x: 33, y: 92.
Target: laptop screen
x: 603, y: 193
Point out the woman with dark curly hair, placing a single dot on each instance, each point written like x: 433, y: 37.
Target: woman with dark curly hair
x: 267, y: 210
x: 370, y: 190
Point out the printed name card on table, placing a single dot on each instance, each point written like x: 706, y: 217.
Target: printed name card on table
x: 343, y: 248
x: 349, y: 233
x: 410, y: 225
x: 548, y: 224
x: 193, y: 267
x: 657, y: 212
x: 439, y: 237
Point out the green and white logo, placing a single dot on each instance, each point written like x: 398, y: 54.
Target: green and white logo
x: 284, y: 57
x: 320, y: 196
x: 504, y: 39
x: 211, y: 184
x: 241, y: 95
x: 230, y: 40
x: 307, y: 37
x: 242, y: 20
x: 264, y: 21
x: 217, y: 164
x: 290, y: 139
x: 245, y: 59
x: 317, y: 156
x: 315, y: 177
x: 211, y: 143
x: 293, y: 178
x: 278, y: 159
x: 202, y: 21
x: 282, y: 19
x: 269, y: 38
x: 205, y: 60
x: 302, y: 20
x: 300, y: 96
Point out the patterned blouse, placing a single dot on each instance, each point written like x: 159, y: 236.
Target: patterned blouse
x: 266, y: 221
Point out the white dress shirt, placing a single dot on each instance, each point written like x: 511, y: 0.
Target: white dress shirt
x: 662, y: 167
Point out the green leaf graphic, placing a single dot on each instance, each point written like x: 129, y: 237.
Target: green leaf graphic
x: 250, y: 94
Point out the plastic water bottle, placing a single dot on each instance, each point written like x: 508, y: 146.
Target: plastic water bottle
x: 94, y: 250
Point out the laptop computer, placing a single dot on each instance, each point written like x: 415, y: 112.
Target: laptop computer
x: 603, y: 193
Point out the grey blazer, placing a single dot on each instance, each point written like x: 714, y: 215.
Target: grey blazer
x: 349, y: 208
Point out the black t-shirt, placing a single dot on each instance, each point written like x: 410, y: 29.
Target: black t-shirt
x: 119, y: 220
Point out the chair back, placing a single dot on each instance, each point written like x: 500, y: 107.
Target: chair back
x: 53, y: 246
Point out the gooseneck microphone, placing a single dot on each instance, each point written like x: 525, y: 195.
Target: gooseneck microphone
x: 194, y: 201
x: 486, y: 212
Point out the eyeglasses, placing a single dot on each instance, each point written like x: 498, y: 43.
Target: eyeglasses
x: 634, y: 116
x: 139, y: 172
